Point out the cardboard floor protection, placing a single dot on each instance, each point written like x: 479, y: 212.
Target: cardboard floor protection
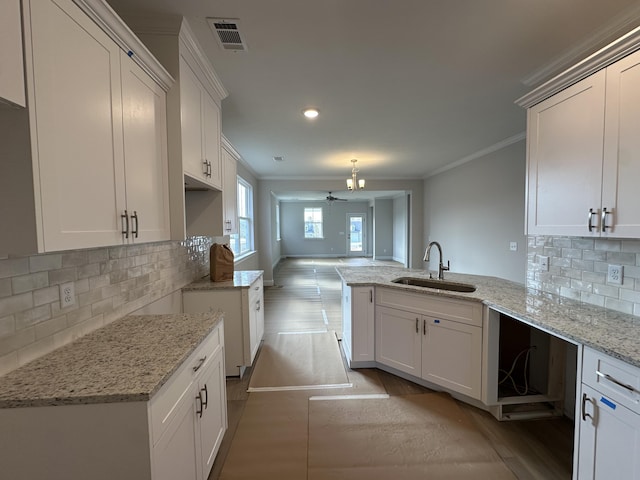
x: 401, y: 437
x: 299, y: 361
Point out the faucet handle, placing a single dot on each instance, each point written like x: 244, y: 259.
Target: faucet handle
x: 446, y: 269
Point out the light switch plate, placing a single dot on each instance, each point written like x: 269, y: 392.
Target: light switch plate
x: 615, y: 274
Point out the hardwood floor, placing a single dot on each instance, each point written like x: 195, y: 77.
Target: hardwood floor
x: 306, y: 297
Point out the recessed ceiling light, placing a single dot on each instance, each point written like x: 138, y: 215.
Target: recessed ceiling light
x: 310, y: 112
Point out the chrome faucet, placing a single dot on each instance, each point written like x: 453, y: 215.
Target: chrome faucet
x: 441, y: 267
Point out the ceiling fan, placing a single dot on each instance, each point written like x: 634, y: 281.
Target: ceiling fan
x: 331, y: 198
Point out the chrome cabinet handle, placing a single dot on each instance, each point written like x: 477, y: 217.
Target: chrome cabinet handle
x: 606, y: 376
x: 125, y: 224
x: 604, y: 219
x: 209, y: 170
x: 200, y: 363
x: 417, y: 328
x: 586, y: 399
x: 370, y: 296
x: 589, y: 224
x: 199, y: 411
x: 205, y: 402
x: 424, y: 326
x: 134, y: 217
x: 205, y: 170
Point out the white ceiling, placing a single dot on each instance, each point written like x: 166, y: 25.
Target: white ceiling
x: 408, y: 87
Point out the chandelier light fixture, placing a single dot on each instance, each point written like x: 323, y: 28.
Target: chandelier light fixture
x: 355, y: 183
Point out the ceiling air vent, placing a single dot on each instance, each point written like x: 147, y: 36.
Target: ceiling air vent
x: 227, y: 33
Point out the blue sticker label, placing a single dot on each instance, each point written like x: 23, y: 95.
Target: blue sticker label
x: 436, y: 321
x: 608, y: 403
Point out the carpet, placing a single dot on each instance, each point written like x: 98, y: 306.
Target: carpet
x: 299, y: 361
x: 408, y: 437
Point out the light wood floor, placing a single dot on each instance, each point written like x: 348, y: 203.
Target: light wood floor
x: 306, y: 297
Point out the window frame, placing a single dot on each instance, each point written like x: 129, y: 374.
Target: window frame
x: 315, y: 222
x: 244, y: 218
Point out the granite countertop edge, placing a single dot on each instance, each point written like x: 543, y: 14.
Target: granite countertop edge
x: 614, y: 333
x: 241, y: 279
x: 132, y: 358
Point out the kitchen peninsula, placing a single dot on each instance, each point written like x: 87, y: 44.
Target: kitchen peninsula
x: 454, y: 341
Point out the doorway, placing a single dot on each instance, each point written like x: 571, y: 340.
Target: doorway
x: 355, y: 235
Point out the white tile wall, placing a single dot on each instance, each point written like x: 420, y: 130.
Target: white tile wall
x: 578, y: 270
x: 109, y: 283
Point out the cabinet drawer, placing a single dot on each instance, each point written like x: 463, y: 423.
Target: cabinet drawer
x: 166, y: 403
x: 456, y: 310
x: 255, y: 290
x: 612, y: 377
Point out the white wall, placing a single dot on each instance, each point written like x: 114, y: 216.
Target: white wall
x: 475, y: 210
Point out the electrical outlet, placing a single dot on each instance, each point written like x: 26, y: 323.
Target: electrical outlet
x: 67, y: 295
x: 513, y: 246
x: 615, y: 274
x: 544, y: 262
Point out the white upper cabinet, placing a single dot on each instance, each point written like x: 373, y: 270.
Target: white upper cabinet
x: 144, y: 116
x: 565, y: 159
x: 89, y: 161
x: 621, y: 170
x: 582, y: 142
x: 11, y: 54
x: 230, y: 187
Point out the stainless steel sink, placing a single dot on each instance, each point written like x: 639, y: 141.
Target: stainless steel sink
x: 433, y: 283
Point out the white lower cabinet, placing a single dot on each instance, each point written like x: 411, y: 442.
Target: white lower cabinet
x: 609, y: 419
x: 438, y: 340
x: 244, y: 320
x: 174, y: 435
x: 358, y: 333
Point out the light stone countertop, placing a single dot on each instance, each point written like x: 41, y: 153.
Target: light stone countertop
x: 125, y: 361
x: 241, y: 279
x: 614, y: 333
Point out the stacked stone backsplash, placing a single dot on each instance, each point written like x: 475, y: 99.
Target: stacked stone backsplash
x: 578, y: 270
x: 109, y: 283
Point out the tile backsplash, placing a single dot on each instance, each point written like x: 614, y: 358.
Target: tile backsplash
x: 109, y: 283
x: 578, y: 269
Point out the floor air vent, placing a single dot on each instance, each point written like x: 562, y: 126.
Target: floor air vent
x: 227, y: 33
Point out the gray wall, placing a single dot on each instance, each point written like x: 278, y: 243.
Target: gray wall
x: 400, y: 215
x: 383, y: 229
x: 334, y: 243
x: 475, y: 210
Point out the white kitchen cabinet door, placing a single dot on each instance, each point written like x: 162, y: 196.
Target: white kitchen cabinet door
x: 200, y: 122
x: 145, y: 154
x: 175, y: 454
x: 363, y: 324
x: 256, y: 318
x: 452, y: 355
x: 212, y: 422
x: 621, y: 170
x: 11, y: 54
x: 78, y: 156
x: 398, y: 340
x: 609, y: 439
x: 565, y: 146
x: 211, y: 146
x: 230, y: 192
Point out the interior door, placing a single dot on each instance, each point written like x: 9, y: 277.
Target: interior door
x: 355, y: 235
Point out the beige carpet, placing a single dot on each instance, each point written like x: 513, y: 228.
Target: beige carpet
x: 404, y: 437
x: 299, y: 361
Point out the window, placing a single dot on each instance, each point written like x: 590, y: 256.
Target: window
x: 242, y: 242
x: 313, y: 223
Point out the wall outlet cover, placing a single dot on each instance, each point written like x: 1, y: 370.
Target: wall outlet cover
x: 544, y: 262
x: 615, y: 274
x: 67, y: 295
x: 513, y: 246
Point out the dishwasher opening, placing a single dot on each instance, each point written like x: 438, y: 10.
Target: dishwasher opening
x: 532, y: 373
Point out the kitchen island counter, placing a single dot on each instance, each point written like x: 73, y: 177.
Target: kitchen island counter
x: 614, y: 333
x: 127, y: 360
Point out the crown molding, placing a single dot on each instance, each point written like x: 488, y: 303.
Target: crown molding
x: 604, y: 57
x: 227, y: 145
x: 188, y: 40
x: 104, y: 16
x: 480, y: 153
